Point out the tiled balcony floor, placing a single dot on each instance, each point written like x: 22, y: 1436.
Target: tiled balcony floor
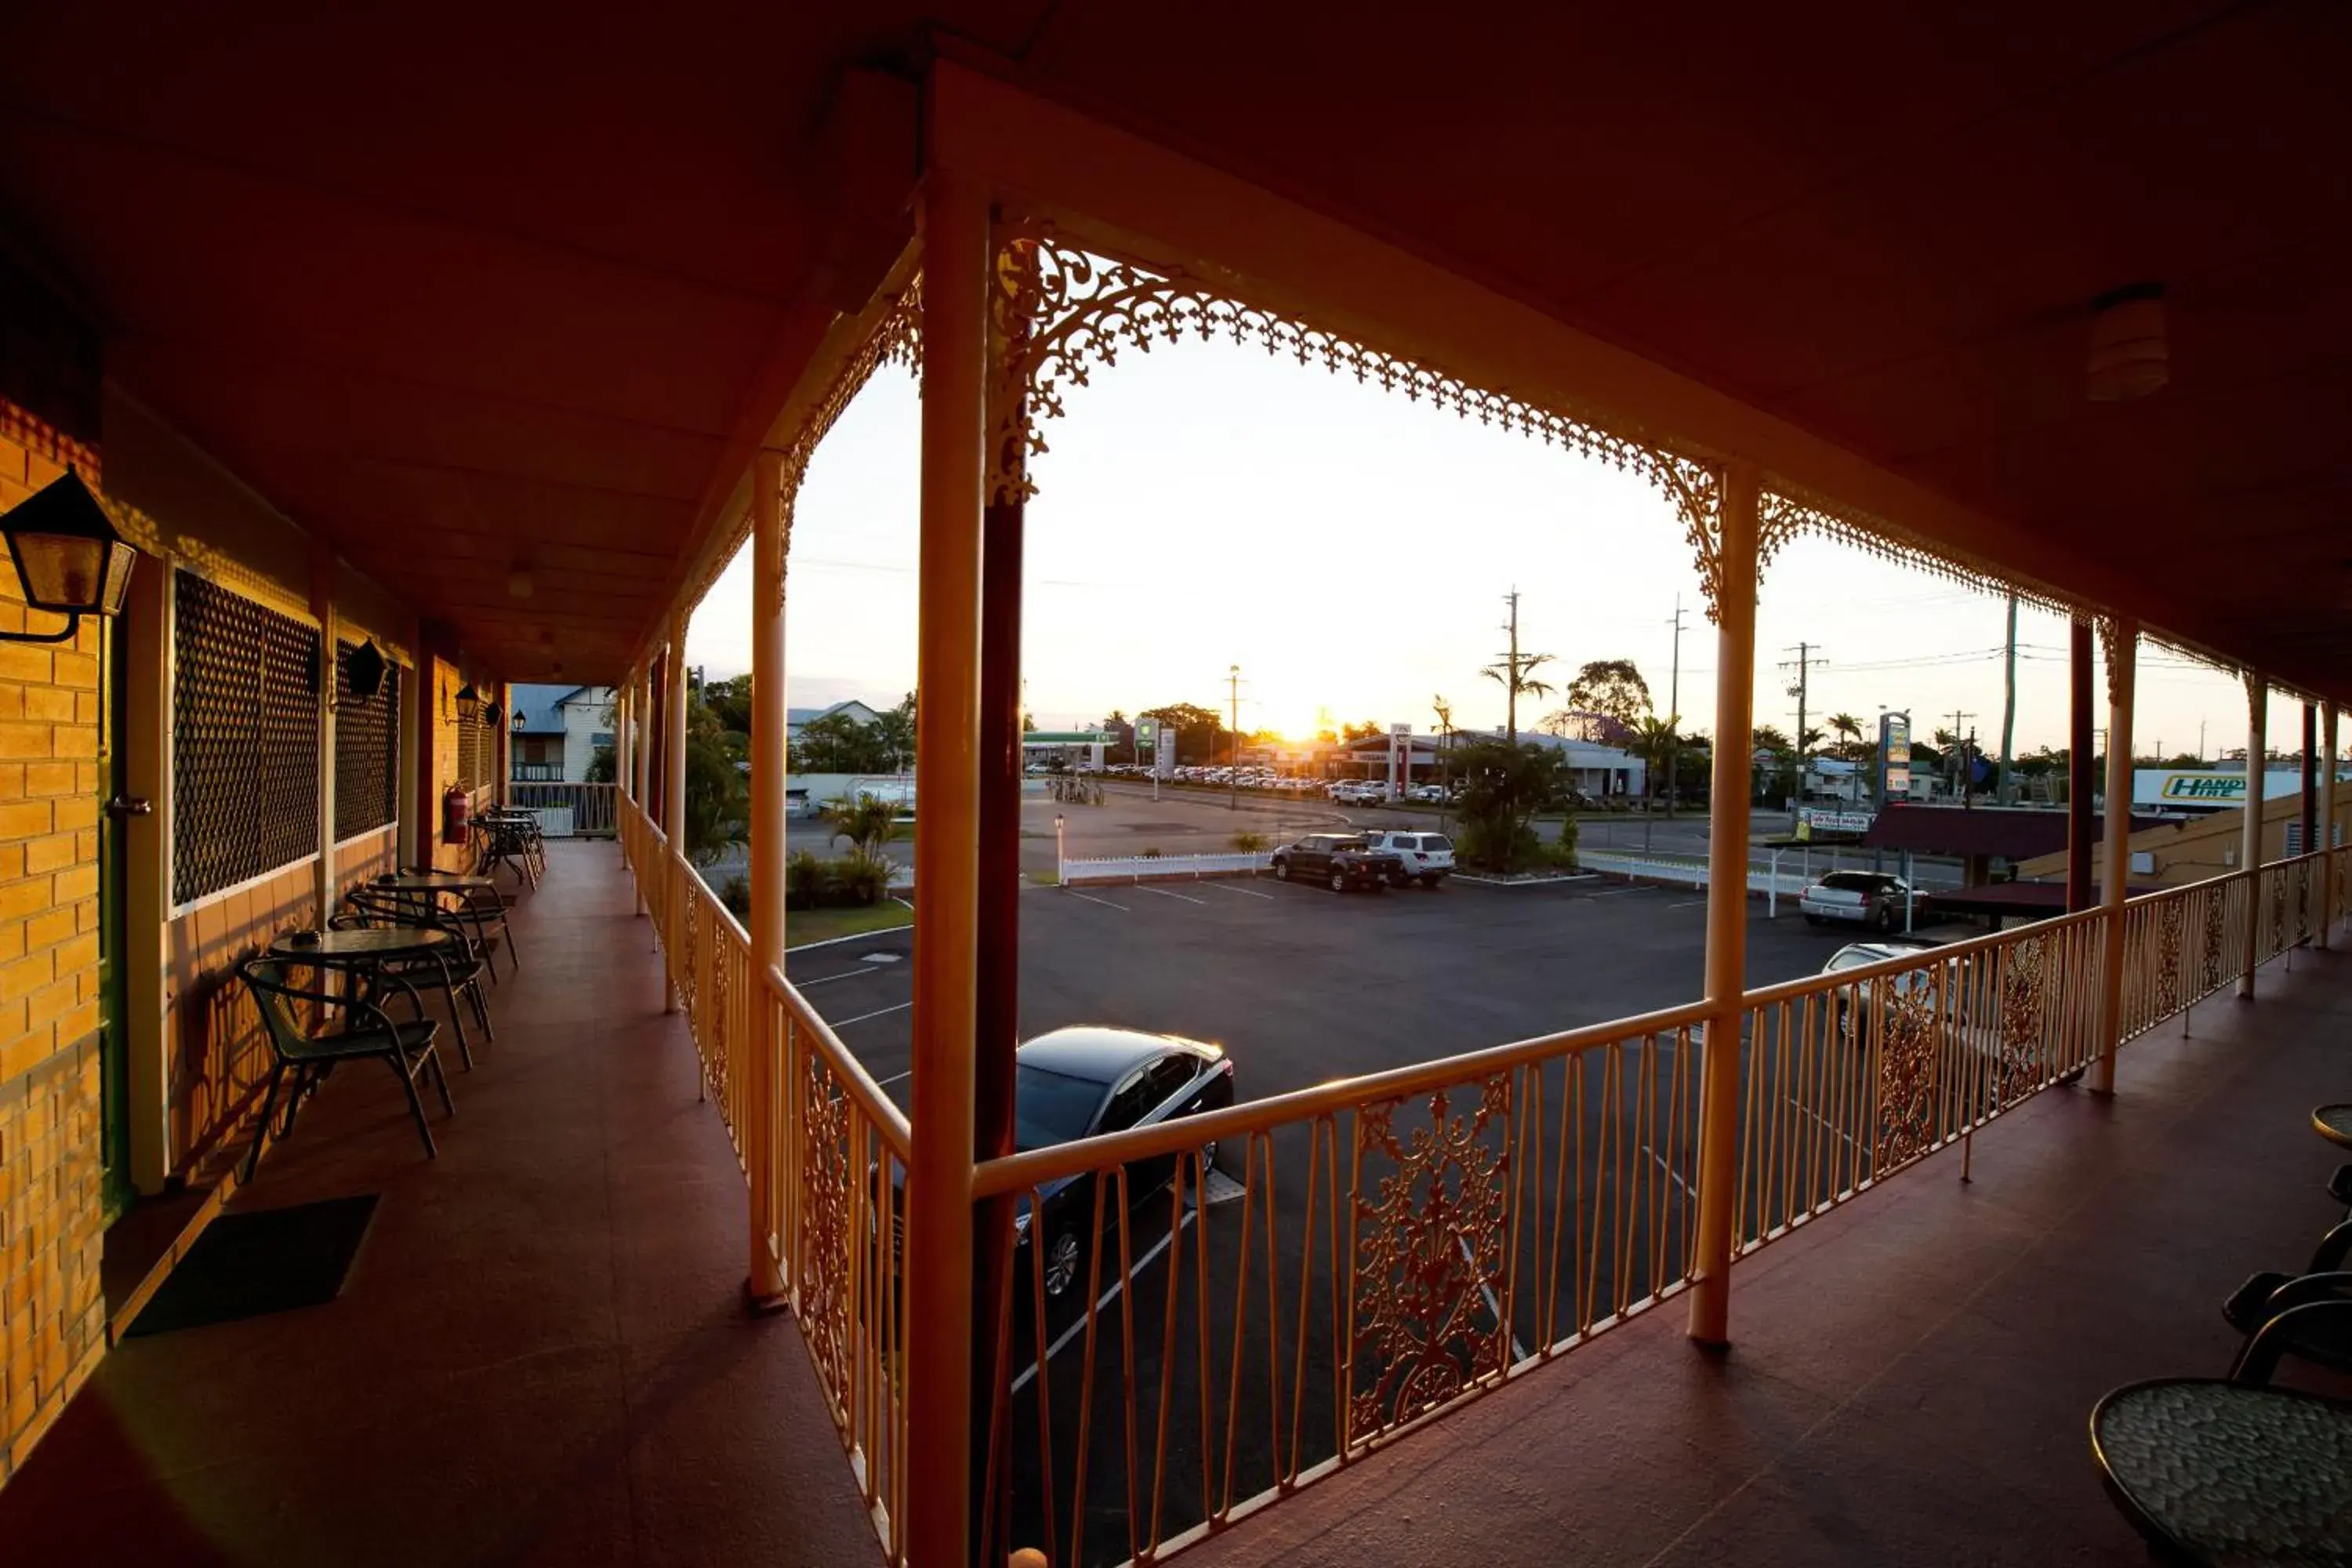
x: 540, y: 1354
x: 1911, y: 1375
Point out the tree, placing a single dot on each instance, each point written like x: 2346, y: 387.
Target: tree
x: 1367, y: 731
x: 1610, y: 689
x: 730, y: 702
x: 1503, y: 787
x: 718, y: 805
x: 1511, y: 673
x: 894, y: 732
x: 1848, y: 730
x: 1200, y: 735
x: 837, y: 743
x: 1653, y: 740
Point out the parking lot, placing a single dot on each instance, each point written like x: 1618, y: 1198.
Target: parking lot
x: 1302, y: 985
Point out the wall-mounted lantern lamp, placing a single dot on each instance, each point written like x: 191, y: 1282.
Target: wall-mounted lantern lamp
x: 363, y: 672
x: 69, y: 560
x: 519, y: 719
x: 470, y: 704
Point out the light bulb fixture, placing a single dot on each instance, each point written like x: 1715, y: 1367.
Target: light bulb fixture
x: 69, y: 560
x: 2130, y: 354
x: 470, y: 704
x: 363, y: 671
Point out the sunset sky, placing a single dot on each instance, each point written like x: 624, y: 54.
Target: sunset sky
x: 1207, y: 505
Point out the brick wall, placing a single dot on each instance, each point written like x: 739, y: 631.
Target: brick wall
x: 51, y: 1314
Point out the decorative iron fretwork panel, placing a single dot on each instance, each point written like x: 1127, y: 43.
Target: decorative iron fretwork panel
x: 1430, y: 1236
x: 367, y: 751
x: 245, y: 740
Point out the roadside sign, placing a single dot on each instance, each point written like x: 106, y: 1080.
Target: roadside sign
x: 1894, y: 757
x: 1834, y: 821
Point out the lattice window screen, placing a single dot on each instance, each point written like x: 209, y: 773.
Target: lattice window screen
x: 245, y: 740
x: 367, y: 751
x: 473, y: 754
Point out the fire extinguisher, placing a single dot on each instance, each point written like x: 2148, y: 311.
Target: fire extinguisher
x: 454, y: 809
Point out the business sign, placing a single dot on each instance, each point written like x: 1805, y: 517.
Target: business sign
x: 1066, y: 738
x: 1894, y: 757
x: 2204, y: 789
x: 1833, y: 821
x: 1147, y: 735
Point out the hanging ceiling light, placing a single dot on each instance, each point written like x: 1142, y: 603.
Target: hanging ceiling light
x: 470, y: 704
x: 2130, y: 354
x: 69, y: 560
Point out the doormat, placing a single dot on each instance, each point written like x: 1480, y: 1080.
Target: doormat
x: 268, y: 1260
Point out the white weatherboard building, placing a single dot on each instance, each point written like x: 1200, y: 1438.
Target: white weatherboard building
x: 558, y: 731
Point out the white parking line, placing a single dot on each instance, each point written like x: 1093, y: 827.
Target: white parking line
x: 1826, y: 1123
x: 1109, y: 1296
x: 845, y: 974
x: 878, y: 1012
x: 1092, y: 899
x: 1672, y: 1175
x: 1166, y: 894
x: 1614, y: 892
x: 896, y: 1077
x: 1690, y: 904
x: 1518, y: 1352
x: 1244, y: 892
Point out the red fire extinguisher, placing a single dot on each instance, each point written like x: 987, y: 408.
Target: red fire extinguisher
x: 454, y: 809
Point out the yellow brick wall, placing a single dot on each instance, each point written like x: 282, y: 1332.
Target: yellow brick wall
x: 52, y: 1318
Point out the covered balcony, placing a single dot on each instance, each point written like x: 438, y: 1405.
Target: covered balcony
x: 410, y: 375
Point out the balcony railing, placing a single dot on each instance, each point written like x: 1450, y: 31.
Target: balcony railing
x: 824, y: 1153
x: 539, y: 773
x: 570, y: 810
x: 1360, y: 1257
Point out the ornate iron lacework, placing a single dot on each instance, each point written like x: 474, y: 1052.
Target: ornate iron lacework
x: 367, y: 751
x: 1906, y: 1075
x: 825, y: 1177
x: 244, y: 739
x: 1429, y: 1254
x: 2212, y: 973
x: 2171, y: 944
x: 2024, y: 991
x: 896, y: 339
x: 1057, y: 312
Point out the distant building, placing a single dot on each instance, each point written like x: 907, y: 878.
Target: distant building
x: 852, y: 709
x: 558, y: 731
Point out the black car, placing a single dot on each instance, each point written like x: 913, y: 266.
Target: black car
x: 1086, y: 1082
x: 1344, y: 861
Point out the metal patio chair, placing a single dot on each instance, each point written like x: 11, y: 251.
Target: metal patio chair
x: 455, y: 969
x: 342, y: 1029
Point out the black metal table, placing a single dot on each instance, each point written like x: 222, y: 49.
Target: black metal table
x: 362, y: 948
x: 440, y: 882
x: 2334, y: 1122
x: 2216, y: 1472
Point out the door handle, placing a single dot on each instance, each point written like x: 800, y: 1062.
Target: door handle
x: 123, y: 806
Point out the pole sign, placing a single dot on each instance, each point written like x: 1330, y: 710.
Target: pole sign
x: 1147, y: 739
x: 1399, y: 760
x: 1894, y: 757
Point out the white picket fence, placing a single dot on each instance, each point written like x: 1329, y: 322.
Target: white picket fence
x: 1154, y: 867
x: 1682, y: 873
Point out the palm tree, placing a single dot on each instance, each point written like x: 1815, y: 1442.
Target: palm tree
x: 1510, y: 673
x: 1848, y: 730
x: 1445, y: 712
x: 1653, y: 740
x: 865, y: 822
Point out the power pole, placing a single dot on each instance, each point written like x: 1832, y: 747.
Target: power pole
x: 1806, y: 660
x: 2008, y: 710
x: 1674, y: 712
x: 1511, y: 674
x: 1233, y: 778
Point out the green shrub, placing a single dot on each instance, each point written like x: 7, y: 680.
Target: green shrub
x: 736, y: 894
x: 807, y: 877
x: 1152, y: 853
x: 1249, y: 843
x: 861, y: 878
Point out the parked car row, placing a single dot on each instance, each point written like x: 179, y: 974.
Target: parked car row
x: 1386, y: 858
x: 1862, y: 897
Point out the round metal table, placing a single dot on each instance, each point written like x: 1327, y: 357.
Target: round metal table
x: 359, y: 949
x: 2334, y: 1122
x: 440, y: 882
x: 2216, y: 1472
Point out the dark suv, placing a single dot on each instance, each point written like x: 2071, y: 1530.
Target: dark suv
x: 1344, y: 861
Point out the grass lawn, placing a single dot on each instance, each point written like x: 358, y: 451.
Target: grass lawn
x: 805, y: 926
